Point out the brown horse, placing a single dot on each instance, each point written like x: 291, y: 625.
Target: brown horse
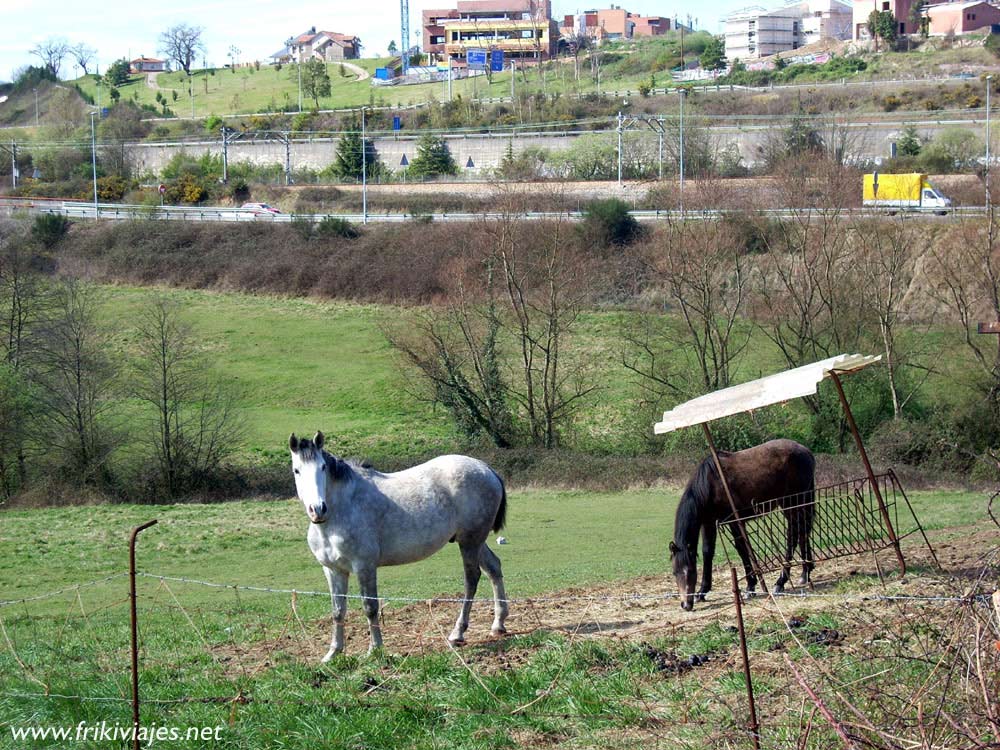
x: 777, y: 471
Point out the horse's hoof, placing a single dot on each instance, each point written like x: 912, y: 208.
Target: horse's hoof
x: 498, y: 631
x: 456, y: 641
x: 701, y: 597
x: 330, y: 654
x: 803, y: 581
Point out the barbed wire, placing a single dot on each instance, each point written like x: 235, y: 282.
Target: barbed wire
x: 67, y: 590
x: 625, y: 598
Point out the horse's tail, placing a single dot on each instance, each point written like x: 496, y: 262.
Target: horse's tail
x: 501, y: 516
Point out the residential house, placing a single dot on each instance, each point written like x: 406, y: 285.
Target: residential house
x: 147, y: 65
x: 961, y: 18
x: 613, y: 23
x: 328, y: 46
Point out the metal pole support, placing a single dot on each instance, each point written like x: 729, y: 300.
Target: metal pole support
x: 740, y: 526
x: 754, y: 726
x: 871, y: 474
x: 135, y: 631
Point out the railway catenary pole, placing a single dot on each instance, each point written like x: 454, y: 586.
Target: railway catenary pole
x: 135, y: 631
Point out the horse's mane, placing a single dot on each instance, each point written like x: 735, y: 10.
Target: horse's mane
x: 693, y: 505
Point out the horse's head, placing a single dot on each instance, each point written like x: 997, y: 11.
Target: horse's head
x: 685, y: 564
x: 312, y: 475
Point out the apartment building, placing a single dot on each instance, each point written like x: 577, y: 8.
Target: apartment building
x: 523, y: 29
x: 755, y: 32
x: 613, y: 23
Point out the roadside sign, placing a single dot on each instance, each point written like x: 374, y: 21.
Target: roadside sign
x: 162, y: 189
x: 875, y: 184
x: 476, y: 59
x: 397, y: 122
x: 496, y: 61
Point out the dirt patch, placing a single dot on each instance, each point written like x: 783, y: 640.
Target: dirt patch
x: 636, y: 610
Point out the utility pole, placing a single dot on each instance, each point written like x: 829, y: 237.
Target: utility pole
x: 13, y: 164
x: 364, y: 171
x: 683, y: 94
x: 36, y: 106
x: 621, y: 128
x: 450, y: 77
x: 989, y: 85
x: 513, y: 75
x: 93, y: 161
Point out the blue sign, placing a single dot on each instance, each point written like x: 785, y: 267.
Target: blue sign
x: 397, y: 122
x: 496, y: 61
x: 476, y: 59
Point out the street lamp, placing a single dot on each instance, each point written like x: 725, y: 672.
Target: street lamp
x: 93, y: 161
x: 298, y: 66
x: 989, y: 85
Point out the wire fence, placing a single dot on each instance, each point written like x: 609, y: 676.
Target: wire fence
x: 243, y: 638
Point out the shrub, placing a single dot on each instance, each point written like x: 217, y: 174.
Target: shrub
x: 213, y: 123
x: 335, y: 226
x: 608, y: 222
x: 49, y: 229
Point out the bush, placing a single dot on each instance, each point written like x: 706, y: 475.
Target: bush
x: 335, y: 226
x: 608, y: 222
x: 49, y: 229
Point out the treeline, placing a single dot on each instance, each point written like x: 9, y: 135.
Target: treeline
x: 493, y: 310
x: 72, y: 383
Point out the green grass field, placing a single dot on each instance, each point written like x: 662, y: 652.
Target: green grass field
x: 302, y: 365
x: 203, y: 646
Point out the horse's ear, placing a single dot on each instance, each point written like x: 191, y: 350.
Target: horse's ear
x: 318, y: 440
x: 673, y: 548
x: 293, y: 443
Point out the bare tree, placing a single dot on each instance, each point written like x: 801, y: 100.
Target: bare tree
x: 496, y: 352
x: 25, y: 309
x: 51, y: 52
x: 967, y: 274
x: 182, y: 44
x: 692, y: 343
x: 84, y: 55
x: 195, y: 425
x: 76, y: 377
x: 885, y: 257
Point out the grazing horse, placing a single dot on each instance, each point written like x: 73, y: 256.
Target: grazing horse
x: 777, y: 471
x: 363, y: 519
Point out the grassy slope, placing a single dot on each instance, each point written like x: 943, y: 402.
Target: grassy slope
x: 302, y: 365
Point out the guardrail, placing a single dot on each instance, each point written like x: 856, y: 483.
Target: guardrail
x: 113, y: 211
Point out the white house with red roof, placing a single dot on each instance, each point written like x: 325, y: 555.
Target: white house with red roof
x: 328, y: 46
x: 147, y: 65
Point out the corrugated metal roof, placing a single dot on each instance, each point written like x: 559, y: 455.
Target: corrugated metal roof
x: 774, y: 389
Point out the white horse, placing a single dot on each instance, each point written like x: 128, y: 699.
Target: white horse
x: 363, y: 519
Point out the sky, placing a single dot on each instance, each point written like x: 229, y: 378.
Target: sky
x: 257, y: 28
